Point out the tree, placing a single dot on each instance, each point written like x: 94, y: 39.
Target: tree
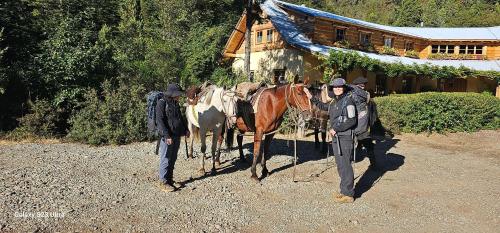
x: 408, y: 14
x: 3, y: 76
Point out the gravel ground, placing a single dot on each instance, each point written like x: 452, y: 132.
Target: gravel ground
x: 431, y: 183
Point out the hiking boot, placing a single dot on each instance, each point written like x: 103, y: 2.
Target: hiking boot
x: 166, y: 187
x: 344, y: 199
x: 337, y: 195
x: 175, y: 184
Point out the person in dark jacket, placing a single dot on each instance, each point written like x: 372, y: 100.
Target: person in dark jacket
x: 343, y: 118
x: 172, y: 125
x: 364, y: 138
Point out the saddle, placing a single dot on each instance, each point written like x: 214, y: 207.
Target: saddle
x: 245, y: 90
x: 202, y: 93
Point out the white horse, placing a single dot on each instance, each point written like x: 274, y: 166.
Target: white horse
x: 209, y: 114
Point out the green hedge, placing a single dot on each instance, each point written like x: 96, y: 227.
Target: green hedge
x: 115, y: 116
x: 439, y: 112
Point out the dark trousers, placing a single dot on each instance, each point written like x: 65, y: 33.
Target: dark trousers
x: 168, y: 156
x: 344, y: 166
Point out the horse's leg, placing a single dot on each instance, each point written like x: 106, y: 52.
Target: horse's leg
x: 239, y: 138
x: 266, y: 155
x: 191, y: 140
x: 203, y: 137
x: 257, y: 139
x: 316, y: 138
x: 220, y: 139
x: 324, y: 148
x: 215, y: 143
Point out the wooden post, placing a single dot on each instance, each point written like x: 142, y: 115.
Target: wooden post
x: 498, y: 90
x: 248, y: 38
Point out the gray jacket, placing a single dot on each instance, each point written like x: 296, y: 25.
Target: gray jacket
x: 342, y: 112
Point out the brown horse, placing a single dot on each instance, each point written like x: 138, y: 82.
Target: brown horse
x: 272, y: 105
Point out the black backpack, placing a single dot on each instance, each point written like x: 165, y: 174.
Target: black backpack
x: 361, y: 99
x: 152, y: 99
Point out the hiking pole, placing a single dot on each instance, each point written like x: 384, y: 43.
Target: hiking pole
x: 338, y: 144
x: 295, y: 152
x: 355, y: 144
x: 186, y: 144
x: 328, y: 152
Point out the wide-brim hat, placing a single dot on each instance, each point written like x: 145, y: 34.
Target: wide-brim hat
x: 174, y: 90
x: 360, y: 80
x: 338, y: 82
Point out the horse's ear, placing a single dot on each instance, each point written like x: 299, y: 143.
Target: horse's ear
x: 306, y: 81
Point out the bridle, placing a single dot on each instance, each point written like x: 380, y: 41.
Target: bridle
x: 231, y: 95
x: 294, y: 98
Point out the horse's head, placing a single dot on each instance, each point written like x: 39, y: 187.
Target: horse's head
x: 229, y: 98
x: 192, y: 94
x: 298, y: 98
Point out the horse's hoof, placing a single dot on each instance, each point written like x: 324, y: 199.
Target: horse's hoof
x: 255, y: 179
x: 201, y: 172
x: 265, y: 173
x: 213, y: 172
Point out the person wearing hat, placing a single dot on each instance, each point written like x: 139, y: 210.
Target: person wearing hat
x: 343, y: 119
x: 172, y: 125
x: 362, y: 100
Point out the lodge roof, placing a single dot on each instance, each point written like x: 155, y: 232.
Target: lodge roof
x: 430, y: 33
x: 290, y: 32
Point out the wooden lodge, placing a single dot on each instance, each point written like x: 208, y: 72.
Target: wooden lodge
x: 288, y: 39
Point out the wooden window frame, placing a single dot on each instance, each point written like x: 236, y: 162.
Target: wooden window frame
x: 369, y: 34
x: 474, y: 49
x: 392, y: 41
x: 267, y: 36
x: 261, y: 37
x: 412, y: 45
x: 344, y: 34
x: 443, y: 48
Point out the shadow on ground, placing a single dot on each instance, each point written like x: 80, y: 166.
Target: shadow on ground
x: 385, y: 161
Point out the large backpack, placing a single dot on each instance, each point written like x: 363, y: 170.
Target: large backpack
x: 361, y: 99
x: 152, y: 99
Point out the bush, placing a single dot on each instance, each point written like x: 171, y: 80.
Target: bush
x: 388, y: 51
x: 411, y: 53
x: 43, y: 121
x: 117, y: 116
x: 439, y: 112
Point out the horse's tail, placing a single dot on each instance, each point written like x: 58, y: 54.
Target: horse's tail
x: 229, y: 138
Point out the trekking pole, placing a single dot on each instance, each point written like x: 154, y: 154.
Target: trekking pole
x: 328, y: 152
x: 186, y: 144
x: 338, y: 144
x: 295, y: 152
x: 355, y: 144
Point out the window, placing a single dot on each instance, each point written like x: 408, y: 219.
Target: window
x: 269, y: 36
x: 340, y: 34
x: 471, y: 49
x: 364, y: 38
x: 443, y: 49
x: 259, y: 37
x: 409, y: 45
x: 388, y: 41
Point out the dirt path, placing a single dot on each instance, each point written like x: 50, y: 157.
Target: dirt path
x: 429, y: 184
